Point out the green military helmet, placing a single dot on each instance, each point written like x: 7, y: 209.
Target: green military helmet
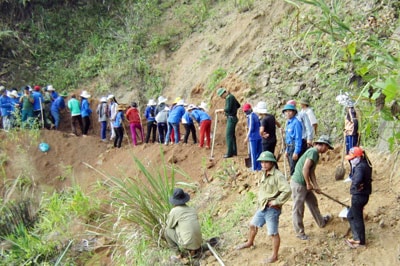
x: 221, y: 91
x: 266, y: 156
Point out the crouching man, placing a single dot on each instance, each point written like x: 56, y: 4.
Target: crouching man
x: 183, y: 228
x: 273, y: 193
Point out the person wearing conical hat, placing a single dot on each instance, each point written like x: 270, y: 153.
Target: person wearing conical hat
x: 274, y: 191
x: 85, y: 112
x: 230, y: 110
x: 174, y: 118
x: 102, y: 113
x: 183, y: 231
x: 119, y: 127
x: 204, y: 120
x: 56, y: 107
x: 303, y: 183
x: 112, y: 109
x: 150, y: 115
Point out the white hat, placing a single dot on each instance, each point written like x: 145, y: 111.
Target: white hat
x: 50, y: 88
x: 14, y: 93
x: 191, y: 107
x: 180, y: 102
x: 203, y: 106
x: 85, y: 94
x: 103, y: 99
x: 151, y: 102
x: 162, y: 99
x: 261, y: 108
x: 109, y: 97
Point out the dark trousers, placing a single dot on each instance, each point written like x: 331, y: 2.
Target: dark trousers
x: 151, y: 130
x: 292, y: 163
x: 190, y: 128
x: 355, y: 217
x: 269, y: 146
x: 351, y: 141
x: 103, y: 129
x: 162, y: 131
x: 231, y: 135
x: 119, y: 135
x: 76, y: 119
x: 86, y: 124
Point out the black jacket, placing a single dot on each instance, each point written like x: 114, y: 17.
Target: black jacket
x: 361, y: 179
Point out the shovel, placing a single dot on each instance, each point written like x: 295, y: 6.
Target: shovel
x: 213, y: 137
x: 344, y: 211
x: 340, y: 171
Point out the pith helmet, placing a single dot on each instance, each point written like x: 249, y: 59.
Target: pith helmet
x: 221, y: 91
x: 266, y: 156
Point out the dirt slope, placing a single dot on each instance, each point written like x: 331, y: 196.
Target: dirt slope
x: 86, y: 157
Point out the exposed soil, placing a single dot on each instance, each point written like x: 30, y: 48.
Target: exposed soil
x: 87, y: 157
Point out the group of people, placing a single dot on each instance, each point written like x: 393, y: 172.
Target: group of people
x: 30, y: 106
x: 183, y: 229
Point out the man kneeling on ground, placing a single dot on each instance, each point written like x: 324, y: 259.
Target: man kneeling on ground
x: 183, y: 228
x: 274, y: 192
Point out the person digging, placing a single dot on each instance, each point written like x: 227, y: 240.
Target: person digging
x: 183, y: 231
x: 273, y: 193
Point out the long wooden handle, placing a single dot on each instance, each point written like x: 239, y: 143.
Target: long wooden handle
x: 213, y: 137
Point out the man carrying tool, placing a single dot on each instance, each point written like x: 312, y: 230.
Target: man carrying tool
x: 360, y: 190
x: 274, y: 192
x: 231, y: 107
x: 303, y: 183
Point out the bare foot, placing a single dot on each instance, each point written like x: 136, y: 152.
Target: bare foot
x: 245, y: 245
x: 270, y: 260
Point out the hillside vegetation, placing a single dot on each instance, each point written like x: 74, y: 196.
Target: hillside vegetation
x: 260, y: 50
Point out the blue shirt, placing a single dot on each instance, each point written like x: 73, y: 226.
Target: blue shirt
x: 175, y: 115
x: 118, y: 119
x: 293, y: 134
x: 54, y: 95
x: 186, y: 119
x: 5, y: 105
x: 38, y: 100
x: 85, y: 108
x: 253, y: 123
x: 58, y: 104
x: 149, y: 113
x: 200, y: 115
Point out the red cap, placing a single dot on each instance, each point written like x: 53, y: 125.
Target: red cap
x: 354, y: 152
x: 292, y: 102
x: 246, y: 107
x: 36, y: 88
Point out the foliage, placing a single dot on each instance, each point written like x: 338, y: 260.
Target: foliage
x: 145, y: 204
x: 216, y: 77
x: 365, y: 51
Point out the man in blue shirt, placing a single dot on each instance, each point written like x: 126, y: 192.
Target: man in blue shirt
x: 55, y: 108
x: 6, y: 108
x: 293, y: 136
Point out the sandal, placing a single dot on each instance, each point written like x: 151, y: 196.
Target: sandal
x: 353, y: 244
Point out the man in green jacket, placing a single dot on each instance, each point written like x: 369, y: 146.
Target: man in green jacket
x: 183, y: 228
x: 273, y: 193
x: 231, y: 107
